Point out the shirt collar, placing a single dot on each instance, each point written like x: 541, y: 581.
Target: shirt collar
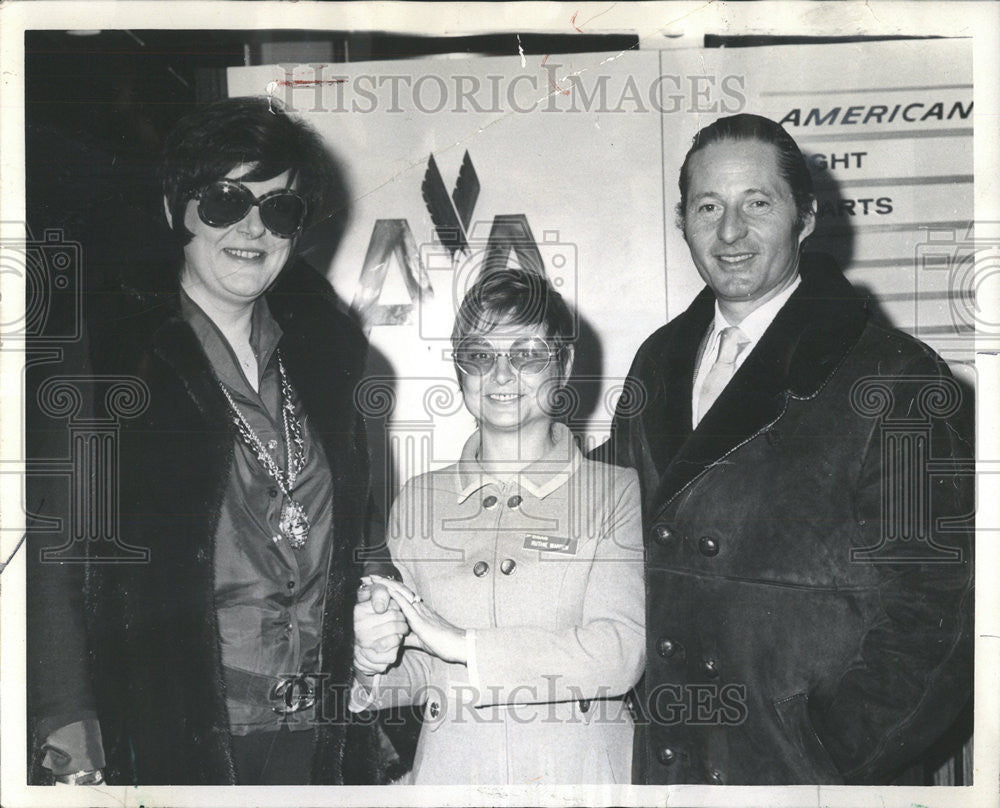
x: 265, y: 334
x: 553, y: 469
x: 756, y: 322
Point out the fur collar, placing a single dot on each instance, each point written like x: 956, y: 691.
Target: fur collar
x: 300, y: 301
x: 188, y: 425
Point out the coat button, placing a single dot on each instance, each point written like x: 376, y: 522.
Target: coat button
x: 480, y: 569
x: 715, y: 778
x: 708, y: 546
x: 514, y: 501
x: 711, y: 668
x: 272, y: 492
x: 434, y: 709
x: 666, y: 647
x: 662, y: 534
x: 666, y: 755
x: 490, y: 502
x: 507, y: 566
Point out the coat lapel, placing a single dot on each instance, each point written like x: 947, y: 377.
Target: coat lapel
x: 323, y: 372
x: 798, y: 353
x: 176, y: 344
x: 668, y: 423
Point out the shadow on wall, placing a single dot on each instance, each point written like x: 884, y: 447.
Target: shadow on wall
x: 835, y: 234
x: 836, y: 217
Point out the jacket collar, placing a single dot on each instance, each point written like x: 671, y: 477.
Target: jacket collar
x: 323, y: 352
x: 265, y: 333
x: 300, y: 312
x: 540, y: 478
x: 795, y: 358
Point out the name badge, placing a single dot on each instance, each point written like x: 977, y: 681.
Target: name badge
x: 550, y: 544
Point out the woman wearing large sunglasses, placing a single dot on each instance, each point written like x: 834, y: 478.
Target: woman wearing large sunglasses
x: 522, y: 582
x: 243, y: 477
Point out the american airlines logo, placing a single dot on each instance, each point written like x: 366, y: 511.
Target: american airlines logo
x: 913, y: 112
x: 392, y: 243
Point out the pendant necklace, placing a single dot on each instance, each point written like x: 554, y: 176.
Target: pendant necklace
x: 293, y: 524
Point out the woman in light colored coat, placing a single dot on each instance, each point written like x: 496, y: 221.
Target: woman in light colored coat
x: 522, y: 582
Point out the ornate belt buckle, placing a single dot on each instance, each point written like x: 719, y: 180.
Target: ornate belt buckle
x: 295, y: 693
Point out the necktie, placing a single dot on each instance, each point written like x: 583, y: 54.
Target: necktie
x: 731, y: 342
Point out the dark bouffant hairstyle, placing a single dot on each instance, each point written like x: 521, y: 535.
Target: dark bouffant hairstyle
x: 206, y: 145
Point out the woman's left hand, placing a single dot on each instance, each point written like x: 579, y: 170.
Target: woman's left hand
x: 436, y: 634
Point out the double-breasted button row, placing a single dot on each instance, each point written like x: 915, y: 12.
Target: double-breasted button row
x: 707, y: 546
x: 667, y: 756
x: 662, y: 534
x: 508, y: 566
x: 667, y: 647
x: 513, y: 502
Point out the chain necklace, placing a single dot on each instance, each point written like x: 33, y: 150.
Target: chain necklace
x: 293, y: 524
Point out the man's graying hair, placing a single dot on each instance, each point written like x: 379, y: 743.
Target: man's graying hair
x: 791, y: 163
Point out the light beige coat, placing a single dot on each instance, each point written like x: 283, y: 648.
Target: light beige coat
x: 546, y: 568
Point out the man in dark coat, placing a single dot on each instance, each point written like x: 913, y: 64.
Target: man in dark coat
x: 807, y: 502
x: 217, y: 639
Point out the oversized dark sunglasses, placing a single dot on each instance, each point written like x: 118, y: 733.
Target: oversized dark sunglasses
x: 477, y: 356
x: 226, y: 202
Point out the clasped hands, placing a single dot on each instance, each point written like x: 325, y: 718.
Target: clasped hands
x: 388, y: 616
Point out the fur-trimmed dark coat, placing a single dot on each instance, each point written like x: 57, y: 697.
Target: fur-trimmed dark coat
x: 808, y: 548
x: 152, y: 627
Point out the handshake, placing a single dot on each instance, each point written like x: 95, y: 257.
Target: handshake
x: 390, y: 617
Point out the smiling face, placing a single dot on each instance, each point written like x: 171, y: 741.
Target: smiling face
x: 230, y: 267
x: 505, y: 400
x: 740, y: 224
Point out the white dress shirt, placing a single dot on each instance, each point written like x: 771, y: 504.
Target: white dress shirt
x: 753, y: 327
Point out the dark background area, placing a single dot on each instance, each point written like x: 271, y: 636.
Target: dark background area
x: 99, y: 104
